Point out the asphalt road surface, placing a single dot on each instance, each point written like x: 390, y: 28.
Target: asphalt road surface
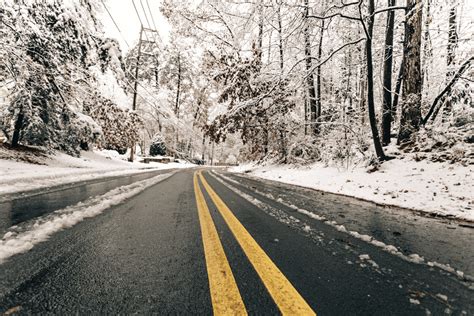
x: 204, y: 242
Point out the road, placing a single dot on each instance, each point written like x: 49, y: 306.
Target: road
x: 203, y: 242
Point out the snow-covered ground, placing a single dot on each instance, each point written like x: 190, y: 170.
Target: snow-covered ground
x: 58, y: 169
x: 441, y: 189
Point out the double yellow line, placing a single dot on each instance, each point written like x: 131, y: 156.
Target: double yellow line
x: 225, y: 295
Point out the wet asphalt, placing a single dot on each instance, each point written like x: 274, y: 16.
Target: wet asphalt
x: 145, y: 256
x: 19, y: 208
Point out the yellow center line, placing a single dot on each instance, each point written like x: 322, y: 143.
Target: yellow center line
x: 287, y: 298
x: 225, y: 295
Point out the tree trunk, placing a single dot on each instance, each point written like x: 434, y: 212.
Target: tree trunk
x: 349, y: 95
x: 362, y: 84
x: 370, y: 84
x: 306, y: 116
x: 313, y: 114
x: 260, y: 31
x: 17, y: 129
x: 318, y: 72
x: 452, y: 39
x: 135, y: 90
x: 178, y: 87
x: 396, y: 94
x: 410, y: 117
x: 387, y: 77
x: 260, y: 52
x: 451, y: 53
x: 203, y: 146
x: 280, y: 37
x: 427, y: 49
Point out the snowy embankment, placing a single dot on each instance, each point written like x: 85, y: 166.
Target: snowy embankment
x: 60, y: 169
x: 440, y: 189
x: 23, y: 237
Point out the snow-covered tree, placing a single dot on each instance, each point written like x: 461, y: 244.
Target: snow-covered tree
x: 58, y: 59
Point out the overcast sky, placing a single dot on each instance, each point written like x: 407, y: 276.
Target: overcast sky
x: 127, y: 20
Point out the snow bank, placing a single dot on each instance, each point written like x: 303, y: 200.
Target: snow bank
x: 17, y: 176
x: 22, y: 239
x: 413, y: 258
x: 441, y: 189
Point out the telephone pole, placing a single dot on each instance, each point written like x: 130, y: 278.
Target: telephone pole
x: 134, y: 104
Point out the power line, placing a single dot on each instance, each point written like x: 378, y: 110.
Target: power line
x: 140, y: 19
x: 133, y: 77
x: 144, y: 30
x: 151, y: 14
x: 138, y: 14
x: 149, y: 24
x: 155, y: 33
x: 164, y: 114
x: 144, y: 12
x: 115, y: 23
x: 154, y: 25
x: 141, y: 23
x: 84, y: 72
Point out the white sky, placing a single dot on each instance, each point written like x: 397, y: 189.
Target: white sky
x: 126, y: 18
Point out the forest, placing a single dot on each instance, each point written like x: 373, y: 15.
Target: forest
x: 286, y: 81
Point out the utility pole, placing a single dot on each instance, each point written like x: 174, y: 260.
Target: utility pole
x: 176, y: 107
x: 134, y: 104
x: 203, y: 146
x: 212, y: 154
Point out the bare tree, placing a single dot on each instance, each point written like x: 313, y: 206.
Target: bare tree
x: 313, y: 110
x: 369, y: 29
x: 387, y: 77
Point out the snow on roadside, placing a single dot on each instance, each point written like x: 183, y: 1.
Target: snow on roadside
x: 20, y: 239
x: 17, y: 176
x: 440, y: 189
x: 413, y: 258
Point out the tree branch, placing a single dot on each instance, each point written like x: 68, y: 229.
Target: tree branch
x: 326, y: 59
x: 334, y: 15
x: 389, y: 9
x: 447, y: 89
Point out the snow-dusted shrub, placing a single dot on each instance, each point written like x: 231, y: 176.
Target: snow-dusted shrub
x: 120, y: 127
x: 448, y: 140
x: 157, y: 146
x: 83, y: 132
x: 302, y: 150
x: 342, y: 144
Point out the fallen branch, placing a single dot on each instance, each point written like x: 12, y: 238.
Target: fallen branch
x: 446, y: 90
